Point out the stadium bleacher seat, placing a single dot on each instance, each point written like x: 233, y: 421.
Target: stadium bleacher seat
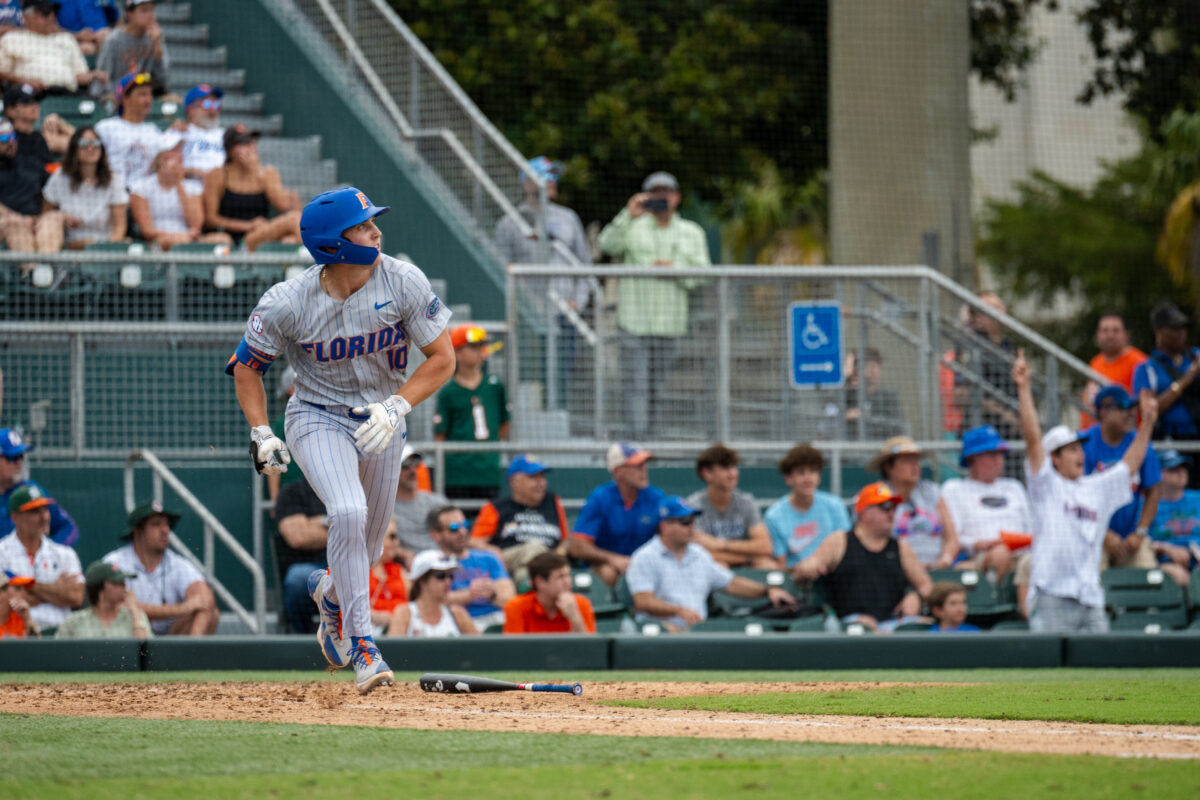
x: 748, y: 625
x: 1010, y: 626
x: 813, y: 624
x: 1193, y: 593
x: 606, y: 625
x: 604, y: 602
x: 1138, y: 598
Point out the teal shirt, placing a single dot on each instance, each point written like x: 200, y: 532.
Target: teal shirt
x: 654, y: 307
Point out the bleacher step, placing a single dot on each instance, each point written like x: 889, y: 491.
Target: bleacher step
x: 174, y: 33
x: 184, y: 78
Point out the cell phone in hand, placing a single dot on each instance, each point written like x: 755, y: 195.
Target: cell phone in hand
x: 655, y: 204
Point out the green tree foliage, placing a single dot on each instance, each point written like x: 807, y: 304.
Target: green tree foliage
x: 1098, y: 245
x: 1001, y: 44
x: 1147, y: 49
x: 706, y: 89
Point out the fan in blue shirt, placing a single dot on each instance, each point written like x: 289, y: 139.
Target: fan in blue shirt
x: 1105, y: 444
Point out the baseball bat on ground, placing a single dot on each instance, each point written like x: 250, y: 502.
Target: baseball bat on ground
x: 473, y: 684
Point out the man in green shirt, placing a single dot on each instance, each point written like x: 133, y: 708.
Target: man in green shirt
x: 473, y: 407
x: 651, y: 312
x: 112, y: 611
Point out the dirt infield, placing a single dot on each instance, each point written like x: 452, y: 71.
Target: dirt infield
x: 406, y: 706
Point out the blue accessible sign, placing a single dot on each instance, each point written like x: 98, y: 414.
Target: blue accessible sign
x: 815, y: 344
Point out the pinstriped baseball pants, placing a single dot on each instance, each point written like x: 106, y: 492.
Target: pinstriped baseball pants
x: 358, y: 492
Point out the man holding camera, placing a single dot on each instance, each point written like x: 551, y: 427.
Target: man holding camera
x: 652, y: 313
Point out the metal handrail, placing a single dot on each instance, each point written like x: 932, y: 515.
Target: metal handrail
x: 256, y: 622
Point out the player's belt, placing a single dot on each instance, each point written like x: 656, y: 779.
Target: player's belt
x: 339, y: 410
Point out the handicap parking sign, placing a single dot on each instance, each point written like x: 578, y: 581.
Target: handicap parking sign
x: 815, y: 344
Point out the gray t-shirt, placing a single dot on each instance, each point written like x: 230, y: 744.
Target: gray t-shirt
x: 410, y: 520
x: 122, y: 53
x: 734, y: 523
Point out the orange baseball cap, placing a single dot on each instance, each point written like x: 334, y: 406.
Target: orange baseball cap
x: 467, y: 334
x: 875, y: 494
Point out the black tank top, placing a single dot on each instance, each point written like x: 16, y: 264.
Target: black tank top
x: 866, y: 582
x: 244, y: 206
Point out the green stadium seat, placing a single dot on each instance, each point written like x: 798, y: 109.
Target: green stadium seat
x: 914, y: 627
x: 605, y: 625
x: 748, y: 625
x: 1010, y: 625
x: 813, y: 624
x: 604, y: 602
x: 1150, y: 620
x: 1193, y: 593
x: 1138, y: 598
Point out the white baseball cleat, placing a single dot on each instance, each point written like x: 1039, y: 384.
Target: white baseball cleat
x: 370, y: 670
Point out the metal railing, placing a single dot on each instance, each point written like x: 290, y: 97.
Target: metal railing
x: 213, y: 529
x: 728, y: 371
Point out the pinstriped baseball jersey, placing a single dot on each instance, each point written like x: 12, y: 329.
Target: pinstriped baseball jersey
x: 345, y: 353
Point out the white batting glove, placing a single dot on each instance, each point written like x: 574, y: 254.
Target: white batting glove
x: 374, y: 435
x: 268, y: 451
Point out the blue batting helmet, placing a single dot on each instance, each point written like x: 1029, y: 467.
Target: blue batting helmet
x: 329, y: 214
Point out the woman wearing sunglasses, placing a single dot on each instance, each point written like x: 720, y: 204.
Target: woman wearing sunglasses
x: 427, y: 613
x: 93, y: 203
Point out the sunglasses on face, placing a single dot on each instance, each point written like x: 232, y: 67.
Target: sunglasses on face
x: 88, y: 144
x: 455, y: 527
x: 15, y: 459
x: 210, y: 104
x: 442, y: 576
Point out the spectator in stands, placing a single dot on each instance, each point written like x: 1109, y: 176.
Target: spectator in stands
x: 988, y: 357
x: 1176, y: 528
x: 652, y: 313
x: 57, y: 575
x: 871, y: 577
x: 1127, y: 541
x: 481, y: 583
x: 430, y: 612
x: 527, y: 522
x: 89, y: 21
x: 671, y: 577
x: 136, y: 46
x: 800, y: 520
x: 23, y: 159
x: 729, y: 526
x: 550, y: 606
x: 131, y: 141
x: 15, y: 620
x: 112, y: 611
x: 167, y: 207
x: 299, y: 549
x: 916, y: 520
x: 10, y: 16
x: 472, y: 407
x: 169, y: 589
x: 13, y: 448
x: 43, y: 56
x: 204, y: 138
x: 872, y: 412
x: 92, y: 202
x: 240, y: 195
x: 948, y: 605
x: 1072, y: 511
x: 1117, y: 360
x: 564, y: 229
x: 1170, y: 372
x: 618, y: 517
x: 386, y: 588
x: 412, y: 507
x: 23, y: 110
x: 978, y: 509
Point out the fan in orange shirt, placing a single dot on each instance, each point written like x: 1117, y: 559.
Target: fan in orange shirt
x: 551, y: 607
x: 387, y: 589
x: 1116, y: 360
x: 14, y: 606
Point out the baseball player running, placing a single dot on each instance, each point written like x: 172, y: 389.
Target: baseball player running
x: 346, y: 324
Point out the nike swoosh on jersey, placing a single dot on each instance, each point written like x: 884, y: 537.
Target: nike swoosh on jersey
x: 381, y: 305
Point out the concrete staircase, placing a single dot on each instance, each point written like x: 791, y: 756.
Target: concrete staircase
x: 193, y: 61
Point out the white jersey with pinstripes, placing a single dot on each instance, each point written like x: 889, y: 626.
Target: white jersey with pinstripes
x: 345, y: 353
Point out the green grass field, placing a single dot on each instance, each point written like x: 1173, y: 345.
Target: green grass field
x: 65, y: 757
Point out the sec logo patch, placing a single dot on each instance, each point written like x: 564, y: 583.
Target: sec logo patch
x: 256, y: 324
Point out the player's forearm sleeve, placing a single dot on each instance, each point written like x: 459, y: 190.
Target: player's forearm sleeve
x: 252, y: 357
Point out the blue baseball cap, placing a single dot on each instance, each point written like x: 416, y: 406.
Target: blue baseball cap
x: 674, y: 508
x: 11, y: 443
x: 201, y: 91
x: 546, y: 169
x: 1114, y: 392
x: 525, y: 465
x: 984, y: 439
x: 1172, y: 459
